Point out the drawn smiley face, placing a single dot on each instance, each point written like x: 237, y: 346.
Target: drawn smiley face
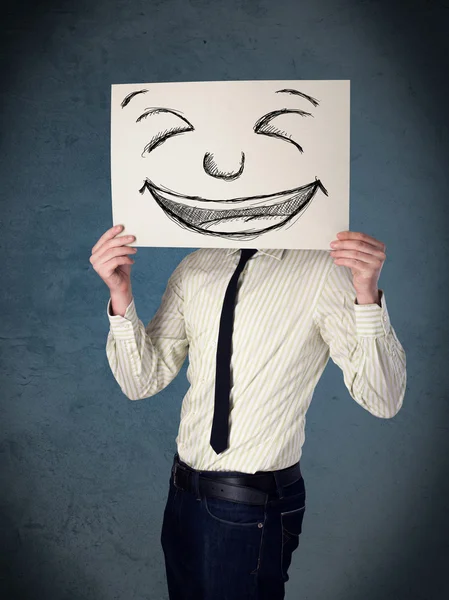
x: 236, y: 217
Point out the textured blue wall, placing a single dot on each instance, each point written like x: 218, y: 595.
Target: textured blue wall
x: 84, y: 471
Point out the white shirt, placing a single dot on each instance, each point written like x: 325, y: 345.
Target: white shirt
x: 294, y: 309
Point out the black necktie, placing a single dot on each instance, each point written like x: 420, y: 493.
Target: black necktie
x: 220, y: 424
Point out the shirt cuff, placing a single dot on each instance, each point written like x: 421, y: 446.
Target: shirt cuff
x: 372, y: 320
x: 123, y: 328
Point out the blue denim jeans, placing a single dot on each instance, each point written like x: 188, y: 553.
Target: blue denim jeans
x: 216, y: 549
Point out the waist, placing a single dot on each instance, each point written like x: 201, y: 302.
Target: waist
x: 266, y: 481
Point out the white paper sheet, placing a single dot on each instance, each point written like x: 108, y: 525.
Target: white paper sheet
x: 247, y: 164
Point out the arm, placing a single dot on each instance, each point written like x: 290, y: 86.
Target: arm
x: 363, y: 344
x: 144, y: 360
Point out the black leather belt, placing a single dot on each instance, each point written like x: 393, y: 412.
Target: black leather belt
x: 248, y: 488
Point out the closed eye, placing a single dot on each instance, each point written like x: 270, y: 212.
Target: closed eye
x: 264, y: 125
x: 164, y: 134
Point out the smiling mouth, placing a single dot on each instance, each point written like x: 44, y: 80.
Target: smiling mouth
x: 237, y: 218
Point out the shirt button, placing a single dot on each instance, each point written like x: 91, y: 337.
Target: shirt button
x: 385, y: 318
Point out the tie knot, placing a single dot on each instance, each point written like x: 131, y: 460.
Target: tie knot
x: 247, y: 253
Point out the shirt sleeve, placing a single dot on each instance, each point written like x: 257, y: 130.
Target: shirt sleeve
x: 144, y: 360
x: 363, y: 343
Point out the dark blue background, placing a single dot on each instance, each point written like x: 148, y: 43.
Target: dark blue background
x: 84, y: 471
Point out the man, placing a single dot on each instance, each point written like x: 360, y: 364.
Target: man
x: 237, y: 496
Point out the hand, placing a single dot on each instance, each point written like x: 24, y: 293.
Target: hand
x: 365, y: 256
x: 109, y: 261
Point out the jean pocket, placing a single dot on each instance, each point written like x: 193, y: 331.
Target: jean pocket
x: 291, y: 529
x: 292, y: 523
x: 235, y: 513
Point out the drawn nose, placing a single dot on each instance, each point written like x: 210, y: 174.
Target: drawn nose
x: 212, y: 168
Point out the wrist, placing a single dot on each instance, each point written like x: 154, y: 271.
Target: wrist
x: 120, y: 302
x: 368, y: 297
x: 121, y: 294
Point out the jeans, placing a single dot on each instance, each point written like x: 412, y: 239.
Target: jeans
x: 216, y: 549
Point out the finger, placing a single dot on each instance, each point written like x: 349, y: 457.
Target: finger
x: 357, y: 235
x: 111, y: 246
x: 360, y: 246
x: 108, y: 235
x: 100, y: 258
x: 109, y: 267
x: 353, y: 263
x: 362, y: 257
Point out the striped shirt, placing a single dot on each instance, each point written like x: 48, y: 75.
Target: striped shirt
x: 294, y: 309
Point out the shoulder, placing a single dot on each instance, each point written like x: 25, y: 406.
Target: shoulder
x: 203, y: 259
x: 317, y: 259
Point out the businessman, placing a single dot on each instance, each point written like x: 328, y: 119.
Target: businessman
x: 259, y: 327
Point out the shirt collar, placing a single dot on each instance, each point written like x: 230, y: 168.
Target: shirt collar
x: 276, y: 253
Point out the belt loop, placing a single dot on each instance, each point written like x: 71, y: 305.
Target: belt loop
x: 175, y: 461
x: 196, y: 484
x: 173, y: 471
x: 280, y: 489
